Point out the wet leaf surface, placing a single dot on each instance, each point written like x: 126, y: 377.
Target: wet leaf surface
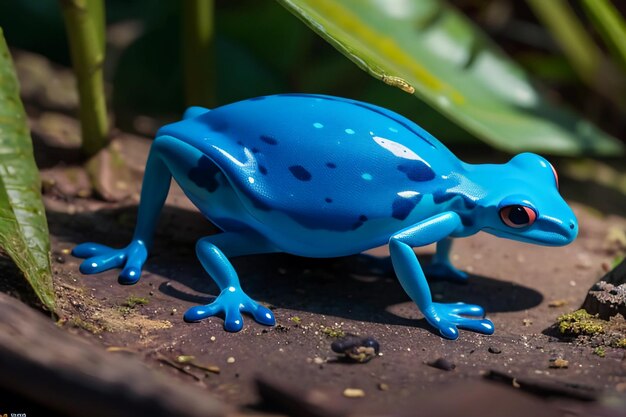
x: 429, y: 49
x: 23, y: 227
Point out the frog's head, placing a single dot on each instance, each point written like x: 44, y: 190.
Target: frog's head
x: 529, y: 207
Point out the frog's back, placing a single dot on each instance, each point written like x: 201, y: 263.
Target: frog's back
x: 326, y: 162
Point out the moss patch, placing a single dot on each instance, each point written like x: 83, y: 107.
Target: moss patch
x: 580, y: 323
x: 134, y: 301
x: 333, y: 331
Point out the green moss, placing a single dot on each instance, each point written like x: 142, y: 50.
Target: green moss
x: 600, y: 351
x: 296, y: 320
x: 580, y: 323
x: 134, y: 301
x: 124, y: 310
x: 82, y: 324
x: 620, y: 343
x: 335, y: 332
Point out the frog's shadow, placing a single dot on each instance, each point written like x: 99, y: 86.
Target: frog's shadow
x: 360, y: 287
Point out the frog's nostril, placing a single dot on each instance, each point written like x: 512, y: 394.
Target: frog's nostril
x: 572, y: 225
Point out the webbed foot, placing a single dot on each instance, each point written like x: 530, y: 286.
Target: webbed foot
x: 445, y: 270
x: 100, y: 258
x: 232, y: 302
x: 448, y: 318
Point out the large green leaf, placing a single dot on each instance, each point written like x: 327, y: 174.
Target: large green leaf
x: 427, y: 48
x: 23, y: 227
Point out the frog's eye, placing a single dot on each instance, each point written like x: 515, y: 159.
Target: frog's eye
x: 556, y: 176
x: 518, y: 216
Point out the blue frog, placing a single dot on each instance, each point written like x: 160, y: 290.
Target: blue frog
x: 322, y: 176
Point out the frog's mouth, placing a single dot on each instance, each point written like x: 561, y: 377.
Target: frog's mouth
x: 559, y: 237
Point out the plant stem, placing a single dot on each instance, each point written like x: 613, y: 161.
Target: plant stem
x: 198, y: 52
x: 610, y: 25
x: 96, y: 11
x: 592, y: 66
x: 577, y: 45
x: 85, y: 31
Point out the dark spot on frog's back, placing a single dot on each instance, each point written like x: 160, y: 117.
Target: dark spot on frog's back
x: 402, y: 206
x: 269, y: 140
x: 204, y: 175
x: 300, y: 172
x: 362, y: 219
x: 417, y: 171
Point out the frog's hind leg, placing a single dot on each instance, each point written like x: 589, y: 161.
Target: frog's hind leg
x: 441, y: 267
x: 213, y: 252
x: 99, y: 258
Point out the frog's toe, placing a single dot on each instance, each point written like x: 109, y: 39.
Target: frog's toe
x: 448, y: 330
x: 97, y: 264
x: 90, y: 249
x: 484, y: 326
x: 198, y: 313
x: 441, y: 270
x: 129, y: 275
x: 448, y: 318
x: 261, y: 314
x: 464, y: 309
x: 233, y: 320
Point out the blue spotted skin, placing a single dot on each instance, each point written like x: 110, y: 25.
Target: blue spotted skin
x: 323, y: 176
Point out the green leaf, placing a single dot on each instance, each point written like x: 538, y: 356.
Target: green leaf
x: 427, y: 48
x: 23, y: 227
x: 610, y: 25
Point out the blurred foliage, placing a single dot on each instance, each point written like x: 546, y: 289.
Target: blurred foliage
x: 23, y: 227
x: 580, y: 49
x: 610, y: 25
x: 430, y: 49
x: 198, y: 52
x: 262, y: 49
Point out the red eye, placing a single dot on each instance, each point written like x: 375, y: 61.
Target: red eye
x: 556, y: 176
x: 518, y: 216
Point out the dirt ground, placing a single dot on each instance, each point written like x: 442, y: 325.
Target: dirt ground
x: 523, y: 289
x: 316, y: 299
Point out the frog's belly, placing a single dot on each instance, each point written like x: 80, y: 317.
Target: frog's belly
x: 229, y: 211
x: 212, y: 192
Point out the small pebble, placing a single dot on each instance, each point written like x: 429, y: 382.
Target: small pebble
x: 212, y: 338
x: 230, y: 360
x: 383, y: 387
x: 356, y: 349
x: 60, y: 259
x: 557, y: 303
x: 559, y: 363
x: 353, y: 393
x: 442, y: 364
x: 494, y: 349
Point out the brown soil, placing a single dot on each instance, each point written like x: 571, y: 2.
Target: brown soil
x: 315, y: 299
x: 523, y: 288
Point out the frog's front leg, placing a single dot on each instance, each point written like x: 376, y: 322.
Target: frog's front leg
x: 445, y: 317
x: 213, y: 253
x: 99, y: 258
x: 441, y: 267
